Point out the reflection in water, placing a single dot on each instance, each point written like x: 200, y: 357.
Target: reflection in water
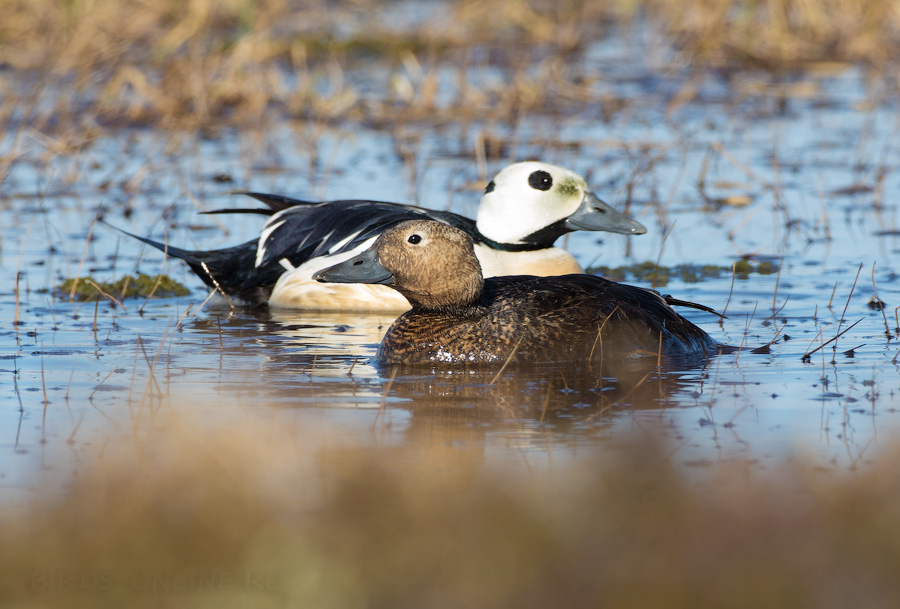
x: 549, y: 393
x: 319, y: 369
x: 321, y: 359
x: 308, y: 362
x: 318, y: 372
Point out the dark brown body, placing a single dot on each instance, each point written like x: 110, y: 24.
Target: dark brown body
x: 546, y: 319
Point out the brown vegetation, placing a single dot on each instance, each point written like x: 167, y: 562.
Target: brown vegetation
x: 782, y: 34
x: 249, y: 517
x: 203, y: 63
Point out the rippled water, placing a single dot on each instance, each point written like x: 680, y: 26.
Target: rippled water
x: 798, y: 173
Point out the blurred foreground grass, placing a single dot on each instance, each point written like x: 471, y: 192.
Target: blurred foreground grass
x: 248, y: 517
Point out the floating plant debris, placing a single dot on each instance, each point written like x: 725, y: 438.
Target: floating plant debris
x: 142, y: 286
x: 689, y: 273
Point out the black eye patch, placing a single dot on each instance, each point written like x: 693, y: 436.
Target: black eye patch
x: 540, y: 180
x: 415, y: 239
x: 490, y: 187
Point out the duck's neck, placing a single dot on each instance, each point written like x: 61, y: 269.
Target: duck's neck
x: 510, y: 247
x: 457, y: 312
x: 529, y: 223
x: 458, y: 294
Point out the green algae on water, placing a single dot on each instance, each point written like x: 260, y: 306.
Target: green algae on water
x: 142, y: 286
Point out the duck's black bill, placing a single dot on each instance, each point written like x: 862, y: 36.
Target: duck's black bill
x: 595, y: 214
x: 363, y: 268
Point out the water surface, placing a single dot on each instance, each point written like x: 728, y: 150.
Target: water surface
x: 797, y: 180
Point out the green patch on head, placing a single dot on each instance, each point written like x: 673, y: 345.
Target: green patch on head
x: 569, y: 188
x: 142, y: 286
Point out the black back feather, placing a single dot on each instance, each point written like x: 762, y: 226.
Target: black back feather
x: 333, y: 227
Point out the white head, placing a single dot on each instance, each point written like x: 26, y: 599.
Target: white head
x: 534, y: 202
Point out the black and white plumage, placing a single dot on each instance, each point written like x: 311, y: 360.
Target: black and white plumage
x: 523, y: 211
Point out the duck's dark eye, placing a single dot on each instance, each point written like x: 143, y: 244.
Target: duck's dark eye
x: 490, y: 187
x: 415, y: 239
x: 541, y: 180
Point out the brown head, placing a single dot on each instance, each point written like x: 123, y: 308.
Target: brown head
x: 432, y: 264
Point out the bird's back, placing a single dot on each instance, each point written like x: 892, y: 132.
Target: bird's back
x: 546, y: 319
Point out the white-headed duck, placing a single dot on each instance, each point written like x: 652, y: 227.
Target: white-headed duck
x: 523, y: 211
x: 458, y: 316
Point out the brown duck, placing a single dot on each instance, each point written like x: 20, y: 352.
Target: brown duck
x: 458, y: 316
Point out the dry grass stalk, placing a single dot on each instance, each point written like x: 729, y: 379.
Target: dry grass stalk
x: 509, y: 358
x: 887, y: 328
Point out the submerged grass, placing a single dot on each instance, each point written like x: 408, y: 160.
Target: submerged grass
x: 248, y: 517
x: 660, y: 276
x: 129, y: 286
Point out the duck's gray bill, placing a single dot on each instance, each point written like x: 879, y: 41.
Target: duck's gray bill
x: 594, y: 214
x: 363, y: 268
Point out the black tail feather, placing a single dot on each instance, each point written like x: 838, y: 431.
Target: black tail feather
x: 241, y: 210
x: 186, y: 255
x: 232, y: 269
x: 674, y: 302
x: 277, y: 203
x: 274, y: 204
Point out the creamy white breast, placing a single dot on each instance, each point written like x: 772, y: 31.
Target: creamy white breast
x: 543, y: 262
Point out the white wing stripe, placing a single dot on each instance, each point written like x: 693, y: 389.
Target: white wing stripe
x: 263, y: 237
x: 337, y: 246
